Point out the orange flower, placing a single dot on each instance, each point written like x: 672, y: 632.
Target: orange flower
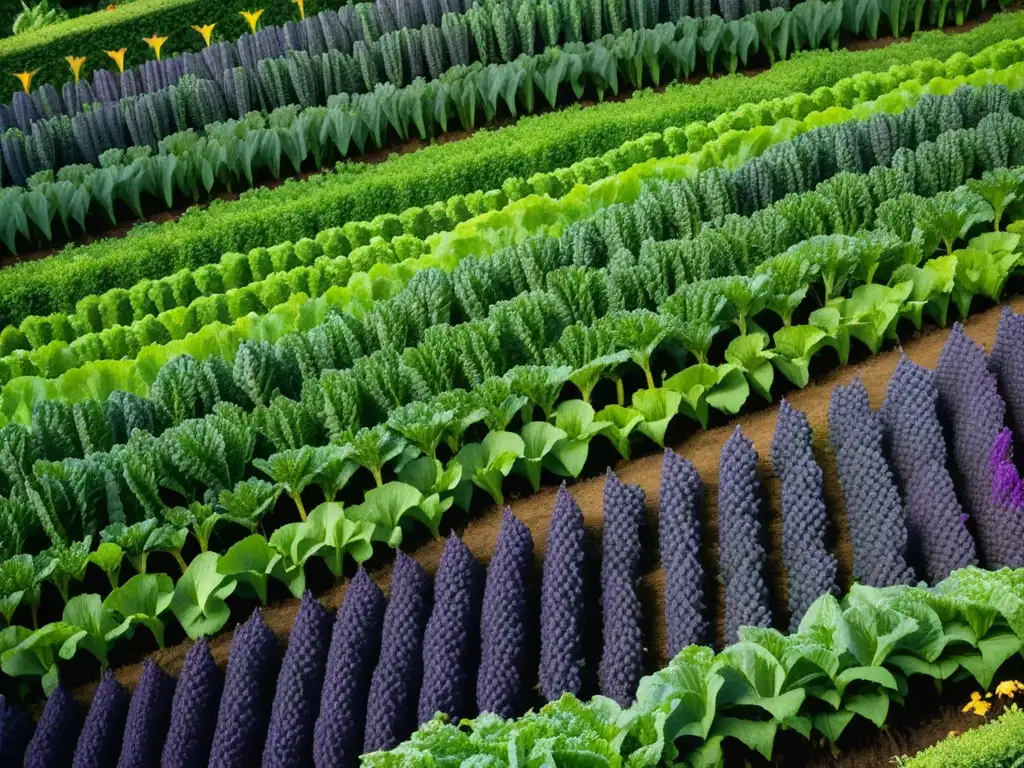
x: 302, y: 8
x: 75, y: 62
x: 110, y: 8
x: 977, y: 705
x: 118, y: 57
x: 26, y: 79
x: 206, y: 31
x: 156, y: 43
x: 252, y: 17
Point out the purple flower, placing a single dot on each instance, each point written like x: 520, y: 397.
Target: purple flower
x: 451, y: 643
x: 500, y: 684
x: 622, y: 655
x: 100, y: 743
x: 53, y: 743
x: 194, y: 710
x: 741, y: 555
x: 810, y: 567
x: 248, y: 694
x: 297, y: 699
x: 395, y: 687
x: 937, y: 539
x: 562, y: 607
x: 149, y: 713
x: 355, y: 648
x: 1007, y: 364
x: 680, y: 498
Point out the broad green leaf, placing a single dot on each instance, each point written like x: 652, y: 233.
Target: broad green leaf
x: 539, y: 438
x: 249, y: 562
x: 657, y: 407
x: 199, y: 597
x: 486, y: 464
x: 384, y: 508
x: 107, y: 557
x: 142, y: 600
x: 621, y: 423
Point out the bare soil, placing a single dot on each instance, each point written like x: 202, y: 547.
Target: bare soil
x: 924, y: 721
x: 101, y: 229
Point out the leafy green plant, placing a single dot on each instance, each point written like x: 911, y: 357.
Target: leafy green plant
x: 539, y: 439
x: 199, y: 596
x: 141, y: 601
x: 485, y: 464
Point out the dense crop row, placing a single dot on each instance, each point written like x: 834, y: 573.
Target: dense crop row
x: 304, y: 209
x: 424, y: 491
x: 858, y: 656
x: 286, y: 324
x: 234, y: 150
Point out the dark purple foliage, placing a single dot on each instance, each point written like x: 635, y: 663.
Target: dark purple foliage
x: 53, y: 743
x: 680, y: 497
x: 100, y: 743
x: 622, y: 655
x: 194, y: 709
x: 562, y: 606
x: 937, y: 538
x: 451, y: 643
x: 395, y: 688
x: 741, y: 555
x: 248, y: 694
x: 874, y: 513
x: 149, y: 713
x: 15, y: 732
x: 1007, y: 364
x: 297, y: 700
x: 355, y: 648
x: 810, y: 567
x: 970, y: 404
x: 1007, y: 485
x: 500, y: 684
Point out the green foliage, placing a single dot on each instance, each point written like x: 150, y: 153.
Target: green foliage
x: 995, y: 744
x: 416, y: 179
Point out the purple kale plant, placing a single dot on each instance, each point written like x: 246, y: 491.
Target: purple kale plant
x: 1006, y: 362
x: 622, y: 655
x: 193, y: 710
x: 351, y: 659
x: 248, y: 695
x: 937, y: 538
x: 562, y: 606
x: 1007, y: 485
x: 395, y: 687
x: 970, y: 403
x: 501, y: 682
x: 810, y: 567
x: 297, y: 698
x: 149, y: 713
x: 99, y: 745
x: 680, y: 498
x: 451, y: 643
x: 741, y: 555
x: 53, y: 743
x: 15, y: 732
x: 874, y: 513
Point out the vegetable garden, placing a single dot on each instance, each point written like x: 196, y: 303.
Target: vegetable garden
x: 660, y: 427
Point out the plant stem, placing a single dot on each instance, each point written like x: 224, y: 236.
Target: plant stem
x: 181, y: 561
x: 298, y: 503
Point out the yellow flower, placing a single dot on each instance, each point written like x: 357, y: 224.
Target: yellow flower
x: 252, y: 17
x: 118, y: 57
x: 110, y: 8
x: 206, y: 31
x: 977, y: 705
x: 156, y: 43
x: 951, y: 734
x: 1008, y: 688
x: 75, y: 62
x: 26, y: 79
x: 302, y: 8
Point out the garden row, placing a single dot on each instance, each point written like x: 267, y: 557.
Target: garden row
x: 73, y: 498
x: 234, y: 151
x: 438, y: 652
x: 432, y: 39
x: 239, y: 270
x: 130, y: 357
x: 42, y: 51
x: 300, y: 210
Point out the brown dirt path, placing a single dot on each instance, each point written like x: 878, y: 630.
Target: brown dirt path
x: 702, y: 448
